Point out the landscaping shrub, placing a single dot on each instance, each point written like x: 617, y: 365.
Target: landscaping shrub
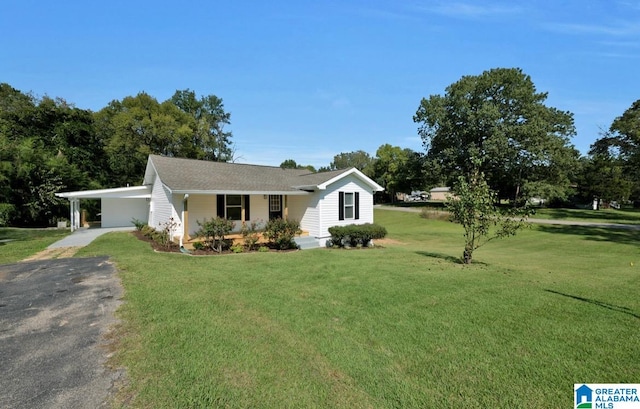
x: 213, y: 232
x: 198, y: 245
x: 250, y: 234
x: 356, y: 235
x: 139, y: 224
x: 281, y: 233
x: 166, y: 232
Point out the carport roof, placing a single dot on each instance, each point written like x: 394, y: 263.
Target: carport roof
x: 133, y: 192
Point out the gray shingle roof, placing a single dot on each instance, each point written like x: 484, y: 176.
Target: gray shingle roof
x: 190, y: 175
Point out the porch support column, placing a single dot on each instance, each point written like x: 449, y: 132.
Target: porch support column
x: 185, y: 218
x: 286, y: 207
x: 74, y: 207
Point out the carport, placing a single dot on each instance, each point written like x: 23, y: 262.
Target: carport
x: 118, y: 205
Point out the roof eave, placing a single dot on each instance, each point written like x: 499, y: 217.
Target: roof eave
x: 240, y: 192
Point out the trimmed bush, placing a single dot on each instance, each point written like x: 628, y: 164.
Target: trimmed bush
x: 356, y: 235
x: 213, y: 232
x: 281, y: 233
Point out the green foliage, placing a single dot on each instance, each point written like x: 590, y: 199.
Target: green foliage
x: 7, y: 211
x: 237, y: 248
x: 499, y: 117
x: 208, y: 140
x: 250, y: 234
x: 619, y: 149
x: 139, y: 225
x: 281, y: 232
x: 213, y: 232
x: 167, y: 229
x: 360, y: 160
x: 474, y: 208
x: 356, y: 235
x: 198, y: 245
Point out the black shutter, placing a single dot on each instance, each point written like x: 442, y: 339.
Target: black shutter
x: 220, y: 206
x: 357, y: 205
x: 340, y: 205
x: 247, y: 208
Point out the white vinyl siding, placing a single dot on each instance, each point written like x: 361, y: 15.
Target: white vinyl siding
x: 328, y: 205
x: 161, y: 206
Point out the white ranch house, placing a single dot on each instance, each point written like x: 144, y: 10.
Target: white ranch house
x: 190, y: 190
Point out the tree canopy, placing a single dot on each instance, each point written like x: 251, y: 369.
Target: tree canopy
x: 48, y: 145
x: 499, y: 118
x: 617, y: 152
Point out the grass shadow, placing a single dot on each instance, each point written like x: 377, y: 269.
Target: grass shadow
x: 619, y: 216
x: 594, y: 233
x: 441, y: 256
x: 608, y: 306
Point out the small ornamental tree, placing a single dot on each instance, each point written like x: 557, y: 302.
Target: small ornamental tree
x: 474, y: 208
x: 213, y: 232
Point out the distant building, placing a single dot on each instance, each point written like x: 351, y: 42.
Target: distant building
x: 440, y: 193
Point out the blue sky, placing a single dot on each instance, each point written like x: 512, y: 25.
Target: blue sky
x: 306, y: 80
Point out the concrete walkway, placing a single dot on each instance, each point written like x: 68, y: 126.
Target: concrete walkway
x: 84, y: 236
x: 70, y: 245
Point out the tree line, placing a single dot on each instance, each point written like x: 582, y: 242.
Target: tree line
x: 495, y: 124
x: 48, y: 145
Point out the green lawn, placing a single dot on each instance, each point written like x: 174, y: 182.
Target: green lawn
x: 17, y: 244
x: 404, y: 326
x: 623, y: 216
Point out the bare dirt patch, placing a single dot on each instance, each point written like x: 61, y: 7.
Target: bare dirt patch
x: 54, y: 253
x: 385, y: 242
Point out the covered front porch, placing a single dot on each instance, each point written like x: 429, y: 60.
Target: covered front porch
x: 239, y: 208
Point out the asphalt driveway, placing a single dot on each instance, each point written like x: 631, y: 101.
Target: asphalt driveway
x: 53, y: 318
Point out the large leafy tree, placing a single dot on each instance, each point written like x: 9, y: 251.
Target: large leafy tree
x: 603, y: 178
x: 620, y: 146
x: 209, y: 140
x: 360, y: 160
x: 46, y: 145
x: 398, y: 170
x: 138, y: 126
x: 499, y: 121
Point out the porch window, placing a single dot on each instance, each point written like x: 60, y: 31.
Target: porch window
x: 234, y: 207
x: 231, y: 207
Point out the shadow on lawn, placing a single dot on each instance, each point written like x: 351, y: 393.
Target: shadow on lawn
x: 611, y: 307
x: 594, y: 233
x: 442, y: 256
x: 622, y: 215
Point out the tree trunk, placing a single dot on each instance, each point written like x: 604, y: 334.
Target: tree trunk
x: 467, y: 255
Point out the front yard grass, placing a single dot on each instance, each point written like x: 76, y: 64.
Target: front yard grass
x: 18, y: 243
x: 404, y: 326
x: 620, y: 216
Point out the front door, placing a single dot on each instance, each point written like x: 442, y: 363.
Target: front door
x: 275, y: 206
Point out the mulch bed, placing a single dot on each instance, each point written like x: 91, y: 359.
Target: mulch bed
x: 174, y: 248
